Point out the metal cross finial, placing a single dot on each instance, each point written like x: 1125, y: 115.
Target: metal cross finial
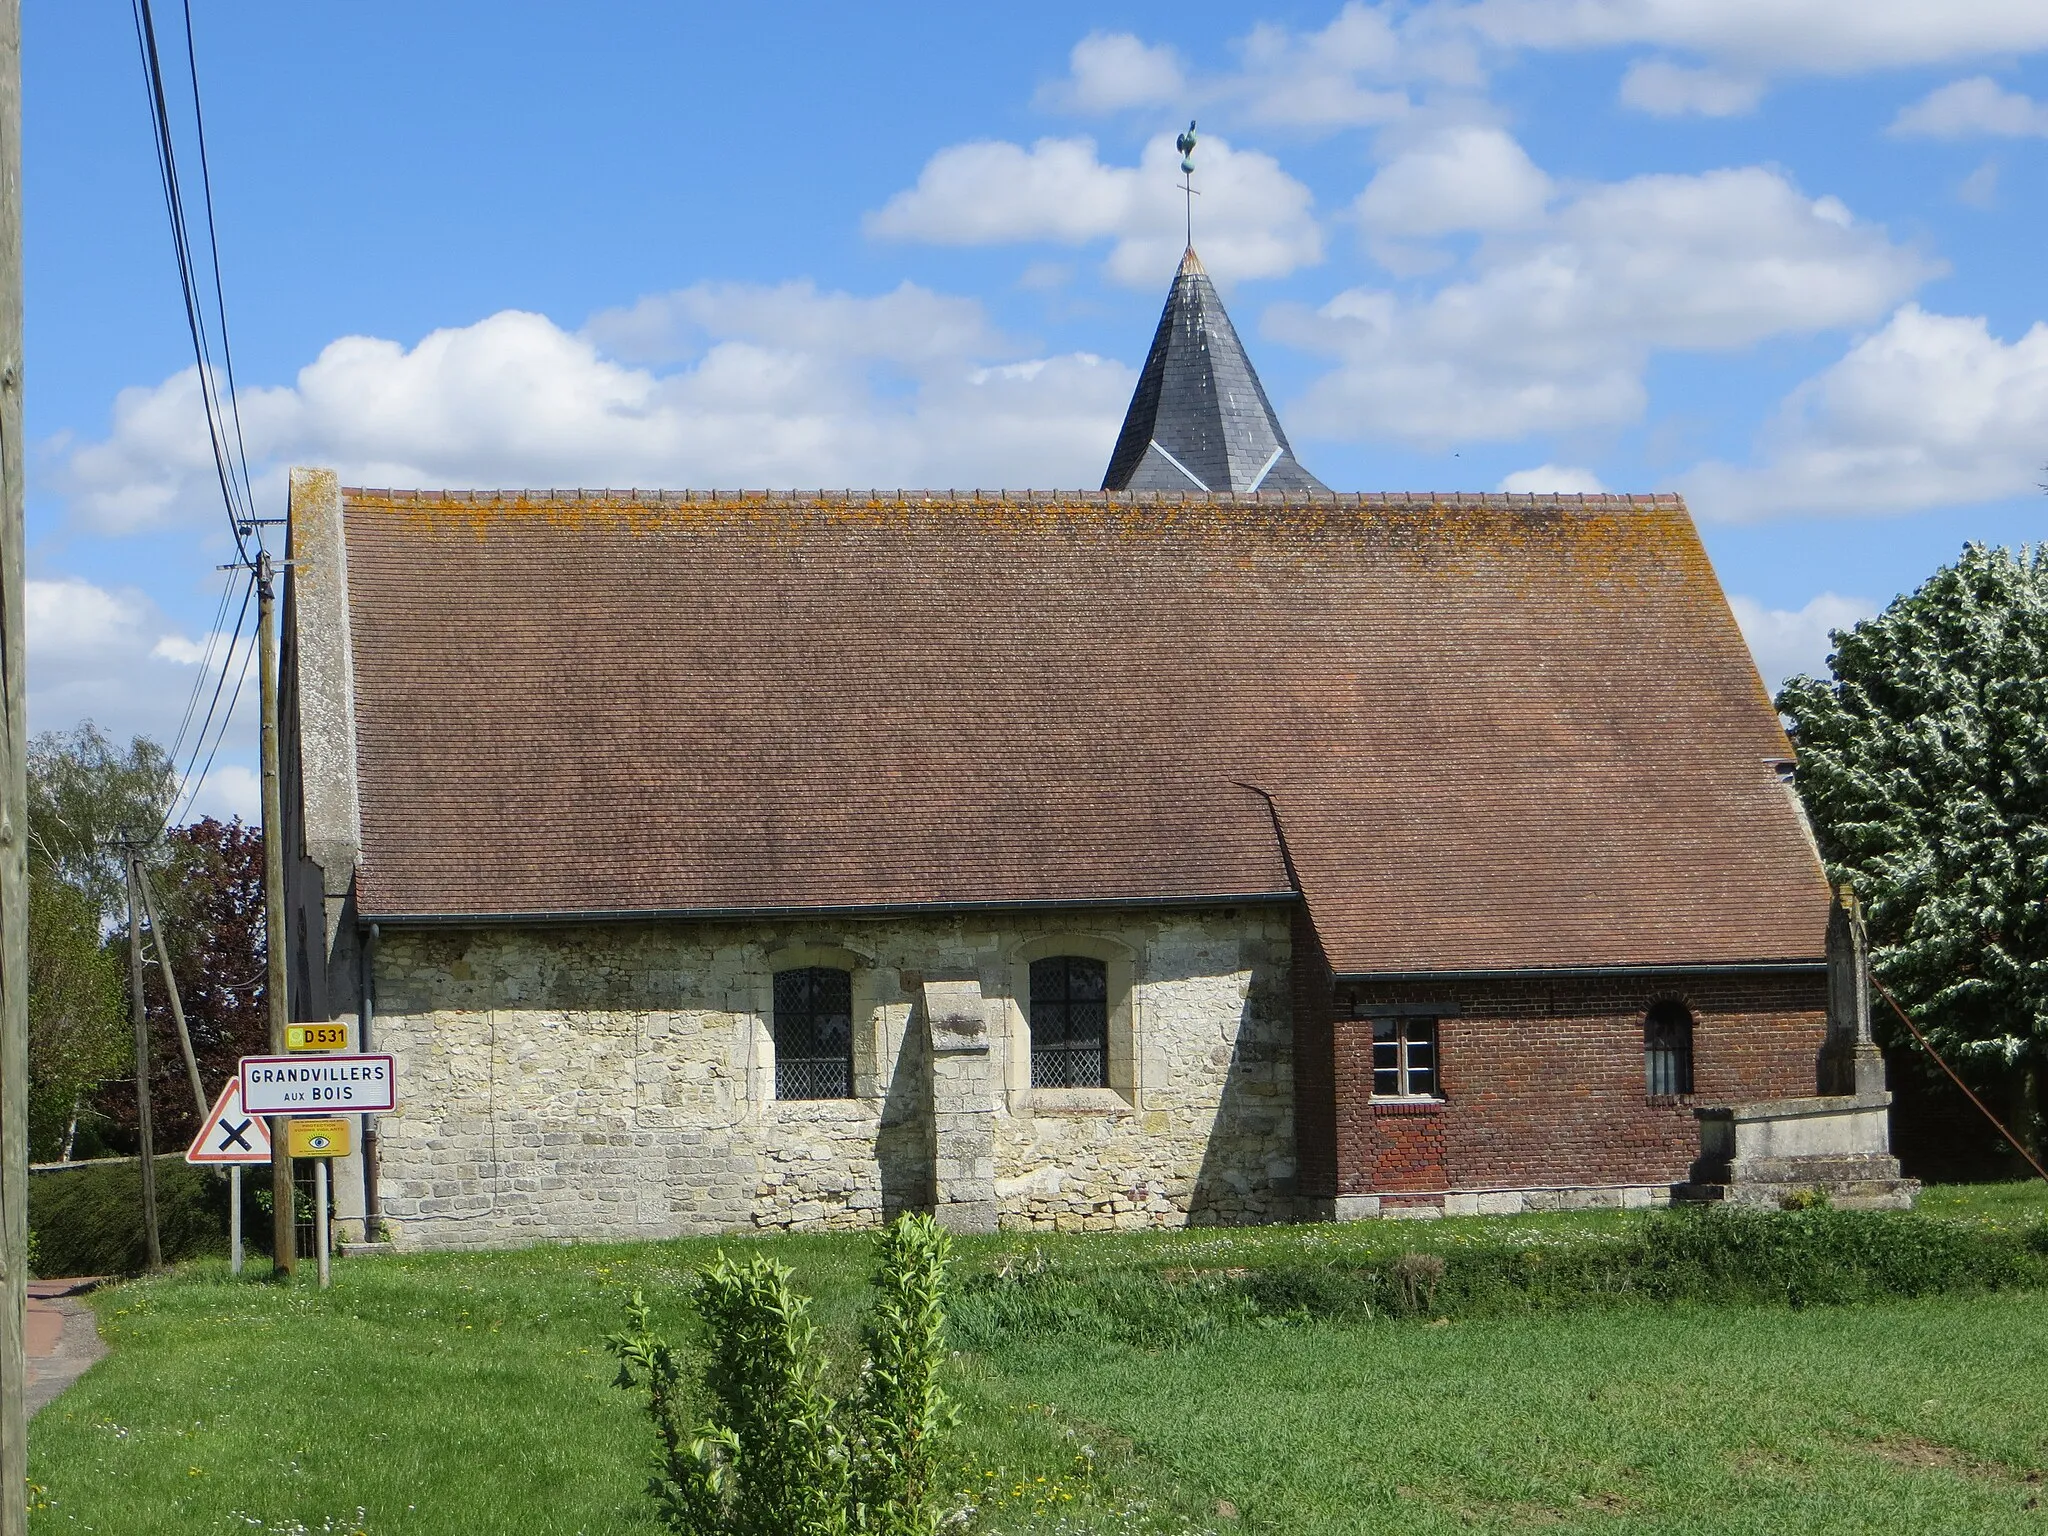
x: 1186, y: 145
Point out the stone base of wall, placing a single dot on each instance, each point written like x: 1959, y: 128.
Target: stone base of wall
x: 1486, y: 1202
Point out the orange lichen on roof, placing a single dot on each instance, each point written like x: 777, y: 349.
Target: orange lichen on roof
x: 1499, y: 730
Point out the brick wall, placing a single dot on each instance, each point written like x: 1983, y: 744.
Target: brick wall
x: 1542, y: 1081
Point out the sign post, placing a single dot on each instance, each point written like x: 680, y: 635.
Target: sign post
x: 322, y: 1140
x: 317, y: 1093
x: 231, y: 1136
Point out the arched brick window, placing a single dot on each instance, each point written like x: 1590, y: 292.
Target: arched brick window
x: 814, y: 1033
x: 1667, y: 1050
x: 1069, y: 1022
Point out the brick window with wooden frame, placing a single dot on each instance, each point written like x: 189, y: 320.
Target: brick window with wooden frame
x: 1404, y: 1057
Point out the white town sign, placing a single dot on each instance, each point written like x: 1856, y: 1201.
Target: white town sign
x: 305, y: 1085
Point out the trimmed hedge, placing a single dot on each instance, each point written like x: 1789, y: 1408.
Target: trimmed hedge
x: 88, y: 1220
x: 1717, y: 1255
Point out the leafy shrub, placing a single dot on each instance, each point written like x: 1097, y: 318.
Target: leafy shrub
x: 778, y: 1456
x: 88, y: 1221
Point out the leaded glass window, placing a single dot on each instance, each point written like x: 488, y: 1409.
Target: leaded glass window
x: 814, y: 1033
x: 1667, y: 1050
x: 1404, y: 1058
x: 1069, y: 1022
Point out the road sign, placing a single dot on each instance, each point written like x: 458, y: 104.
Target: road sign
x: 319, y: 1138
x: 231, y: 1134
x: 309, y: 1085
x: 316, y: 1037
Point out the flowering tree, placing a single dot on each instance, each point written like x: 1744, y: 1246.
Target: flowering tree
x: 1923, y: 765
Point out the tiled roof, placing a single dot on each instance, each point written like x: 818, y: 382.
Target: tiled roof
x: 1199, y: 418
x: 1495, y: 731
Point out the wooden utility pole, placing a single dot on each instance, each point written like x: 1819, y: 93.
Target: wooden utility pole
x: 139, y: 1012
x: 13, y: 815
x: 163, y: 959
x: 284, y: 1231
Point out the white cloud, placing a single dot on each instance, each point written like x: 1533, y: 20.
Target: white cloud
x: 1255, y: 220
x: 71, y: 619
x: 1462, y: 178
x: 110, y: 656
x: 1970, y: 108
x: 1553, y: 328
x: 1553, y: 479
x: 1932, y: 410
x: 1979, y: 189
x: 785, y: 386
x: 1790, y: 641
x: 1827, y: 37
x: 1665, y: 89
x: 1353, y: 73
x: 230, y: 790
x: 911, y: 325
x: 1376, y: 64
x: 1111, y: 71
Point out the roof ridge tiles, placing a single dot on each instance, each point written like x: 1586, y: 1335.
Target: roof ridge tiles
x: 639, y: 496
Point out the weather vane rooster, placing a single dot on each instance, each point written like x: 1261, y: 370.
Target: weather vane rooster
x: 1186, y: 145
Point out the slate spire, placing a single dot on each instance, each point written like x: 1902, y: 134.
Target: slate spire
x: 1200, y: 419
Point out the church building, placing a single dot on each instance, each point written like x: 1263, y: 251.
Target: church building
x: 1212, y: 847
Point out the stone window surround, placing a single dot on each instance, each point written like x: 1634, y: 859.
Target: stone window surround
x: 1126, y: 1090
x: 870, y: 1048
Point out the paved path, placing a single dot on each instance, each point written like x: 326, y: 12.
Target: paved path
x: 62, y: 1338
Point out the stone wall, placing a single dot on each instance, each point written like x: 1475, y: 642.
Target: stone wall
x: 618, y: 1081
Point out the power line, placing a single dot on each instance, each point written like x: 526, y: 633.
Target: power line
x: 220, y: 301
x: 213, y: 637
x: 185, y: 780
x: 188, y: 790
x: 213, y: 356
x: 230, y: 458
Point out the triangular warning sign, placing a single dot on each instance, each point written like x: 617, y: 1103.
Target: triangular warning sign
x: 229, y: 1136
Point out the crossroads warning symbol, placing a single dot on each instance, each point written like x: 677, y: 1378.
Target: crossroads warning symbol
x: 229, y: 1136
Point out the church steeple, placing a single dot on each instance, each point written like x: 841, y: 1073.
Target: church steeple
x: 1200, y: 419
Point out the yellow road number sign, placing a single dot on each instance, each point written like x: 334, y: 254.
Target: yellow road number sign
x: 320, y: 1138
x: 315, y: 1037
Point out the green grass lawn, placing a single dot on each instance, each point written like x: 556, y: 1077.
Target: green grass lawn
x: 470, y: 1394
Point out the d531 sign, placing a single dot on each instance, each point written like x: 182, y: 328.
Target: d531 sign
x: 303, y: 1085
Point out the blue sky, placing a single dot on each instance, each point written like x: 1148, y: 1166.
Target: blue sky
x: 1781, y: 255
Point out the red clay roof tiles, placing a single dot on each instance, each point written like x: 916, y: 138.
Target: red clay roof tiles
x: 1496, y: 731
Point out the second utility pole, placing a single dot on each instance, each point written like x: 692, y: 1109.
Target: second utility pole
x: 139, y: 1009
x: 284, y: 1229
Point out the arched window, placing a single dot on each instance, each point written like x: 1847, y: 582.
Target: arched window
x: 1069, y: 1022
x: 1667, y: 1050
x: 814, y: 1033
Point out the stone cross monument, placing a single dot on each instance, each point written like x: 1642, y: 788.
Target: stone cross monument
x: 1837, y: 1144
x: 1850, y: 1062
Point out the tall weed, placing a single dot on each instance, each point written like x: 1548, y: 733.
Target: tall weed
x: 777, y: 1455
